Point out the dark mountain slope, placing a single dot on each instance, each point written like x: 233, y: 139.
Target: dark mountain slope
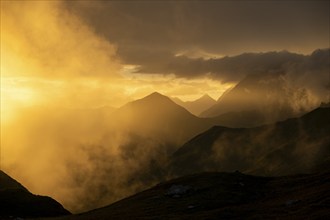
x: 239, y: 119
x: 225, y: 196
x: 157, y: 116
x: 9, y: 183
x: 295, y: 145
x: 17, y: 201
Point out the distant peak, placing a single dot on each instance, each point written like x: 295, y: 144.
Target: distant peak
x: 155, y: 99
x: 206, y: 97
x: 156, y: 96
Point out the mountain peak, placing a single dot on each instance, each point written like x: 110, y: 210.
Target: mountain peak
x: 153, y: 100
x: 156, y: 97
x: 207, y: 98
x: 155, y: 94
x: 197, y: 106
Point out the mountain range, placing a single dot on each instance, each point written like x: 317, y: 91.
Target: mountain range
x: 295, y: 145
x: 158, y: 116
x: 153, y: 139
x: 197, y: 106
x: 263, y: 126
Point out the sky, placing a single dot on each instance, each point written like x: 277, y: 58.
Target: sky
x: 147, y: 32
x: 89, y: 54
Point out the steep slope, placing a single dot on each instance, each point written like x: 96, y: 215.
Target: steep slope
x: 17, y: 201
x: 290, y: 86
x: 225, y: 196
x: 198, y: 106
x: 295, y: 145
x: 268, y: 94
x: 9, y: 183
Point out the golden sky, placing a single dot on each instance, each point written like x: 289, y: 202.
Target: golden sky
x: 50, y: 56
x: 88, y: 54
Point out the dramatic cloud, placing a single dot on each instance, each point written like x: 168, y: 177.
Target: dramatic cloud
x: 151, y: 34
x: 43, y: 39
x: 62, y: 60
x: 227, y: 69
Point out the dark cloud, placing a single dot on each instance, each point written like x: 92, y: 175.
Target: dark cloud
x: 149, y: 34
x: 233, y: 69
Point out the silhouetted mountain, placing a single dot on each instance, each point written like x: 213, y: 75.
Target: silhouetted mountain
x: 286, y: 88
x: 178, y: 101
x: 130, y: 147
x: 267, y: 94
x: 225, y: 196
x: 17, y: 201
x: 198, y: 106
x: 287, y: 147
x: 157, y: 116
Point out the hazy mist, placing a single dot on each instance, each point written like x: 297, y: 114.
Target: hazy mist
x: 76, y: 124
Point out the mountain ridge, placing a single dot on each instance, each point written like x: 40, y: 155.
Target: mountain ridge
x: 263, y: 150
x: 197, y: 106
x: 146, y: 114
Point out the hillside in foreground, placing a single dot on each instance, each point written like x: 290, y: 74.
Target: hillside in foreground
x: 17, y: 201
x: 225, y: 196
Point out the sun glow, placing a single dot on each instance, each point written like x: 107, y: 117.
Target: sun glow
x: 14, y: 97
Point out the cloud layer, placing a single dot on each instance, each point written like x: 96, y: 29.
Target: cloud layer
x: 150, y: 34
